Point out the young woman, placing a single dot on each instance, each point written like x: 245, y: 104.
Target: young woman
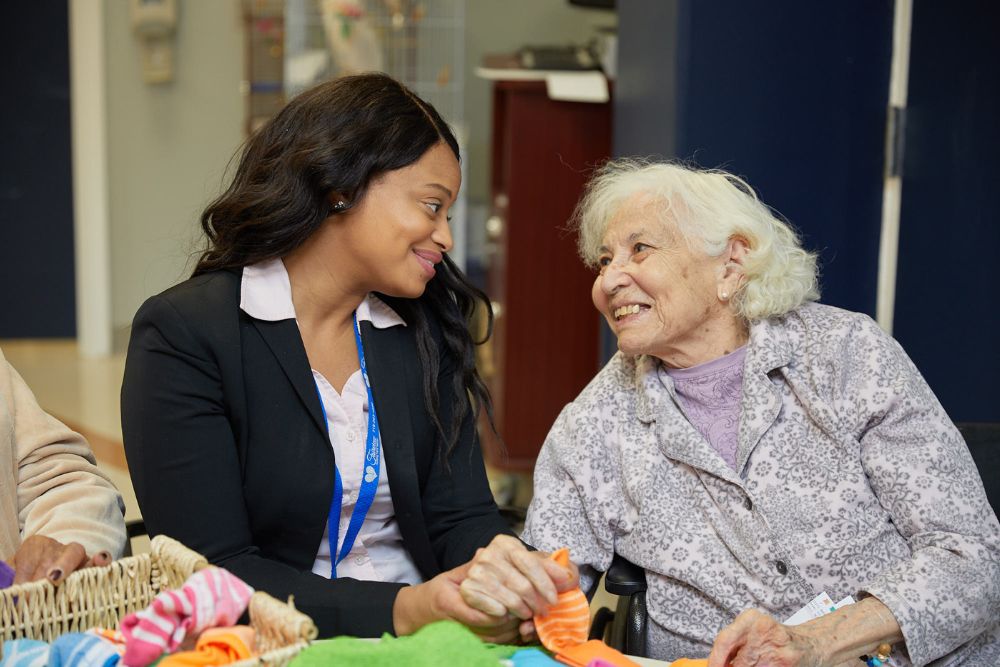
x: 302, y: 409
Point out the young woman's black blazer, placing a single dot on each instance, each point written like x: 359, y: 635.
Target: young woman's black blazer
x: 228, y: 451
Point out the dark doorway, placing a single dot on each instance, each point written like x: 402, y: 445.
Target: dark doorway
x: 37, y: 295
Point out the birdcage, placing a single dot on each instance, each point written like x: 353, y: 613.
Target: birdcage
x: 294, y: 44
x: 418, y: 42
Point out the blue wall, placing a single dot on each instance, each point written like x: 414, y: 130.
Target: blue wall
x: 947, y: 308
x: 793, y: 96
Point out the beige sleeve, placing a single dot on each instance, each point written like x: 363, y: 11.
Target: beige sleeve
x: 60, y: 491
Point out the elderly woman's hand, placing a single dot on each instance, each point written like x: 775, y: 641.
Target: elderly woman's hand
x: 755, y: 639
x: 439, y: 598
x: 41, y: 557
x: 507, y: 578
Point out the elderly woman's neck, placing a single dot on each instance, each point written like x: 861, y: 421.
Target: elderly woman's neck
x: 708, y: 343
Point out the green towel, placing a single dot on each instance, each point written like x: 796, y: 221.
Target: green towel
x: 441, y: 643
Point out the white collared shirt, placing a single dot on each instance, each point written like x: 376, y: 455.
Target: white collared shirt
x: 377, y: 553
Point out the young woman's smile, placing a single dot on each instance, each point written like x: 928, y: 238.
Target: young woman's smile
x: 393, y: 238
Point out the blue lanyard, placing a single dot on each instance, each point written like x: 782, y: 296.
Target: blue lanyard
x: 369, y: 474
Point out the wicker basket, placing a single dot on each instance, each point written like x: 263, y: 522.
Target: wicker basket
x: 102, y: 596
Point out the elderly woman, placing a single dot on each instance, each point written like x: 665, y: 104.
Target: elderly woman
x: 752, y: 449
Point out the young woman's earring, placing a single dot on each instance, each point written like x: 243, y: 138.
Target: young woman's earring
x: 724, y: 295
x: 340, y: 205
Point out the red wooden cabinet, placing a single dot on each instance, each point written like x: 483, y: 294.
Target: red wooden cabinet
x: 546, y: 342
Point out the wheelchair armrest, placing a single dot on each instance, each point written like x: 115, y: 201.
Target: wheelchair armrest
x: 514, y: 516
x: 624, y: 578
x: 135, y: 528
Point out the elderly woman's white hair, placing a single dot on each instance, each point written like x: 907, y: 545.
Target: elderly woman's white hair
x: 712, y: 206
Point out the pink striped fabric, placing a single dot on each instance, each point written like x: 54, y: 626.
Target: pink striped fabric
x: 210, y: 598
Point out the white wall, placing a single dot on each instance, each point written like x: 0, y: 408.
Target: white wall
x: 168, y: 146
x: 91, y: 239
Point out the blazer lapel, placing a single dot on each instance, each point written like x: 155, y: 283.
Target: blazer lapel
x: 394, y: 376
x: 283, y: 338
x: 387, y: 373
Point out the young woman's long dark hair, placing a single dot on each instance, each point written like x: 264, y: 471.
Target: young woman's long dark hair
x: 336, y: 138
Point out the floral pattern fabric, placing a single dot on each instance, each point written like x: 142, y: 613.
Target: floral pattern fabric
x: 849, y: 479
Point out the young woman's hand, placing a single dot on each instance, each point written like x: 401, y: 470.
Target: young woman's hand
x: 41, y: 557
x: 438, y: 599
x: 506, y: 578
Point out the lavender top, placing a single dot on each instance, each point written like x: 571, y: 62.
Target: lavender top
x: 710, y: 397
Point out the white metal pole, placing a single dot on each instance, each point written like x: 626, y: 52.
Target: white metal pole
x: 892, y: 193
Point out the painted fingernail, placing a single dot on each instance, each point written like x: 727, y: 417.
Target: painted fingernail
x: 55, y: 574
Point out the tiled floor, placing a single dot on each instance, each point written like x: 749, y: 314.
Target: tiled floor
x: 76, y: 388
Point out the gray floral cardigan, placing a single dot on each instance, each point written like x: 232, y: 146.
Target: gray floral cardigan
x: 851, y: 480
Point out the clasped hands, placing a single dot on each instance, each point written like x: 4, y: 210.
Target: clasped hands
x: 506, y: 585
x: 496, y: 594
x: 41, y: 557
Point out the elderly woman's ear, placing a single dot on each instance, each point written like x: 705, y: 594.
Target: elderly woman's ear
x: 731, y: 274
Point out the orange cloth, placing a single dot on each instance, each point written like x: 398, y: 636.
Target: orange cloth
x: 216, y: 646
x: 564, y: 629
x: 568, y: 621
x: 595, y: 649
x: 689, y: 662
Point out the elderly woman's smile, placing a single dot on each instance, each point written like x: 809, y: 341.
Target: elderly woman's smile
x: 624, y: 313
x: 661, y: 293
